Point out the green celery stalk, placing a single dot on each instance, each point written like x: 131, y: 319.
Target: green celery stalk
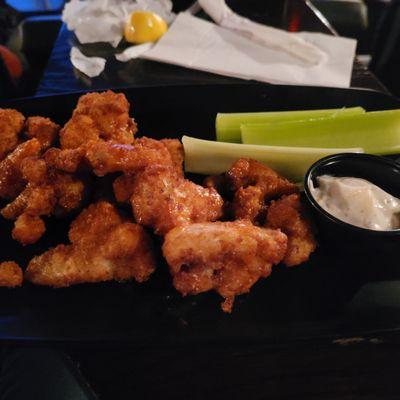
x: 376, y: 132
x: 209, y: 157
x: 228, y: 125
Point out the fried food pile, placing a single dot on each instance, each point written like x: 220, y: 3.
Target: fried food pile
x: 224, y: 235
x: 104, y: 246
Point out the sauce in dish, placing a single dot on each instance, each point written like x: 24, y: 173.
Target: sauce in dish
x: 357, y: 202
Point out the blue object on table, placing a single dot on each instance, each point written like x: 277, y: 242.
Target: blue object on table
x: 36, y: 6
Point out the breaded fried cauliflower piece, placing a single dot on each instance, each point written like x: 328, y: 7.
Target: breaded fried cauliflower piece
x: 11, y: 124
x: 43, y: 129
x: 177, y: 153
x: 10, y: 274
x: 162, y: 199
x: 28, y: 229
x: 123, y: 187
x: 79, y: 130
x: 108, y: 157
x: 11, y: 180
x: 104, y: 246
x: 97, y: 118
x: 99, y: 115
x: 67, y: 160
x: 228, y: 257
x: 288, y: 215
x: 255, y: 184
x: 48, y: 192
x: 167, y: 152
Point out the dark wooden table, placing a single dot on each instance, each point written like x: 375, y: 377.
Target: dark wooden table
x: 294, y: 15
x: 354, y: 368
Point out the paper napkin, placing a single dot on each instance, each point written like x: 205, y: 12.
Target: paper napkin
x: 133, y: 52
x: 104, y: 20
x: 194, y: 43
x: 90, y: 66
x: 268, y: 36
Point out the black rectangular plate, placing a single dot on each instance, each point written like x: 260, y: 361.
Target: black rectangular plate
x: 324, y: 298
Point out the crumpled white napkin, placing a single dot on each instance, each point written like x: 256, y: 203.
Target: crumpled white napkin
x: 194, y: 43
x: 273, y: 38
x: 104, y: 20
x: 133, y: 52
x: 90, y: 66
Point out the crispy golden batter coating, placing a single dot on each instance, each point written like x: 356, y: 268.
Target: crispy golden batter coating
x: 93, y: 222
x: 110, y: 111
x: 34, y: 200
x: 27, y: 209
x: 177, y: 153
x: 69, y: 192
x: 43, y: 129
x: 228, y: 257
x: 10, y: 274
x: 162, y: 199
x: 34, y: 170
x: 123, y: 188
x: 247, y: 172
x: 249, y: 203
x: 11, y: 181
x: 287, y: 214
x: 99, y: 115
x: 107, y: 157
x: 67, y: 160
x: 28, y: 229
x: 123, y: 185
x: 255, y: 184
x: 168, y: 152
x: 11, y: 124
x: 48, y: 192
x: 79, y: 130
x: 104, y: 246
x: 14, y: 209
x: 160, y: 146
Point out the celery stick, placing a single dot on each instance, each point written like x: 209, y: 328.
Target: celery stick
x: 376, y: 132
x: 210, y: 157
x: 228, y: 125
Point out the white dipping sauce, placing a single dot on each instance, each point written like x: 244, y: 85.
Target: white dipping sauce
x: 357, y: 202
